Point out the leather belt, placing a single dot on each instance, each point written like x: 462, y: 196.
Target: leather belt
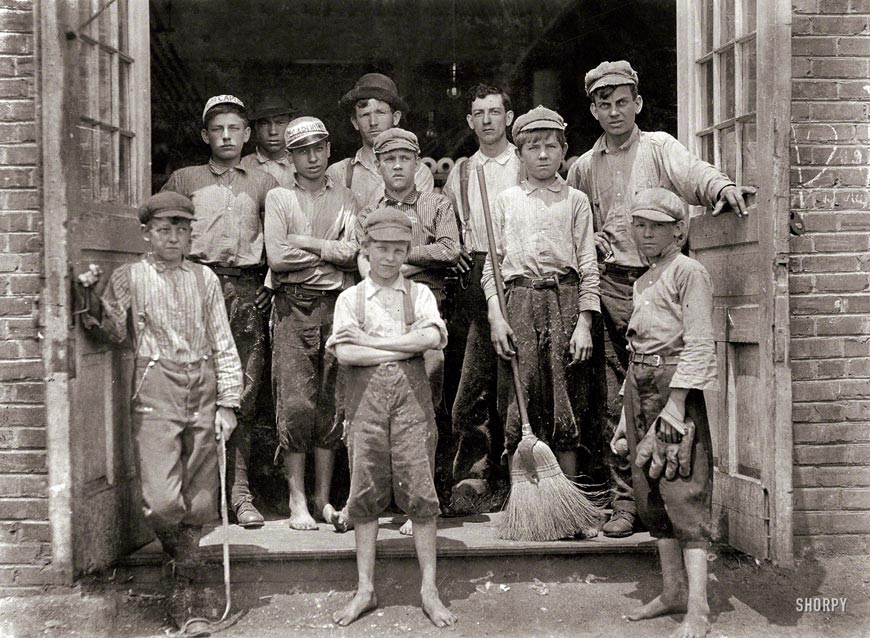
x: 654, y: 360
x: 237, y: 271
x: 544, y: 282
x: 297, y: 289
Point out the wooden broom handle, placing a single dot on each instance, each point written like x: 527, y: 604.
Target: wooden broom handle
x: 499, y: 291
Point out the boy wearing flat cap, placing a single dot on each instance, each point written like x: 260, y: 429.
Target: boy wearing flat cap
x: 187, y: 382
x: 227, y: 236
x: 672, y: 361
x: 311, y: 248
x: 623, y: 162
x: 271, y: 115
x: 382, y: 327
x: 543, y: 239
x: 374, y: 105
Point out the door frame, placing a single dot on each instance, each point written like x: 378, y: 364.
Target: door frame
x: 774, y: 121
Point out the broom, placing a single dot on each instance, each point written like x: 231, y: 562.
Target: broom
x: 544, y: 504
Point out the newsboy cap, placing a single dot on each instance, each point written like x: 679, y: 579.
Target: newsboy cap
x: 388, y: 224
x: 538, y: 118
x: 610, y: 74
x: 221, y: 99
x: 304, y: 131
x: 271, y: 105
x: 377, y: 86
x: 165, y: 204
x: 395, y: 138
x: 658, y: 205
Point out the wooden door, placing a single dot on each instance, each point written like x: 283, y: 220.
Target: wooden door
x: 734, y: 112
x: 96, y: 146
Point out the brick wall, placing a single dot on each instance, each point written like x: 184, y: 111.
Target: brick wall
x: 830, y: 274
x: 24, y: 530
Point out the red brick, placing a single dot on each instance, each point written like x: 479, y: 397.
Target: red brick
x: 19, y: 221
x: 17, y: 21
x: 856, y: 346
x: 819, y: 498
x: 814, y: 390
x: 19, y: 43
x: 19, y: 155
x: 830, y: 176
x: 23, y: 5
x: 24, y: 508
x: 21, y: 438
x: 16, y: 306
x: 855, y: 499
x: 840, y: 25
x: 811, y: 132
x: 859, y: 6
x: 19, y: 199
x: 847, y: 325
x: 22, y: 242
x: 805, y: 6
x: 801, y: 25
x: 838, y: 111
x: 853, y: 222
x: 27, y: 462
x: 830, y: 368
x: 837, y: 7
x: 814, y: 90
x: 811, y: 476
x: 30, y: 575
x: 831, y: 432
x: 25, y: 284
x: 857, y: 411
x: 25, y: 531
x: 813, y: 46
x: 820, y: 222
x: 841, y: 283
x: 812, y: 348
x: 857, y: 303
x: 831, y: 522
x: 16, y: 87
x: 858, y: 367
x: 20, y: 414
x: 853, y: 46
x: 818, y: 412
x: 15, y: 328
x: 854, y: 90
x: 800, y: 112
x: 17, y: 177
x: 813, y: 546
x: 803, y: 370
x: 801, y: 68
x: 841, y: 242
x: 19, y: 553
x: 24, y: 485
x: 800, y: 284
x: 16, y: 132
x: 802, y: 327
x: 846, y: 454
x: 830, y: 263
x: 22, y: 392
x: 839, y: 67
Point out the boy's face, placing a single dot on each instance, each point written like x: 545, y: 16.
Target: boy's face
x: 652, y: 237
x: 168, y: 238
x: 311, y: 161
x: 226, y: 134
x: 542, y: 155
x: 617, y: 112
x: 386, y: 257
x: 488, y: 119
x: 398, y: 169
x: 270, y: 132
x: 374, y: 118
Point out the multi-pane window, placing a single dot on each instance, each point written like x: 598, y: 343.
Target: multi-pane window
x: 725, y: 74
x: 107, y: 127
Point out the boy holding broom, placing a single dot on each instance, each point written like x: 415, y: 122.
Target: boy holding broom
x: 544, y: 243
x: 382, y: 327
x: 672, y: 360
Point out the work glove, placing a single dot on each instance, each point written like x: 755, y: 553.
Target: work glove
x: 684, y: 449
x: 669, y: 424
x: 651, y: 449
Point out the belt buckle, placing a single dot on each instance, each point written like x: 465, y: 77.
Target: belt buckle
x: 544, y: 282
x: 657, y: 358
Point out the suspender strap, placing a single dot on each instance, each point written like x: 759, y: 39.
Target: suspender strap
x: 138, y: 320
x: 361, y: 304
x: 199, y: 273
x: 463, y: 190
x: 407, y: 305
x: 348, y: 174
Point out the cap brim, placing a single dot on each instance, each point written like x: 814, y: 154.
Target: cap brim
x: 610, y: 79
x: 395, y: 146
x: 653, y: 215
x: 538, y: 125
x: 390, y: 234
x: 163, y: 214
x: 308, y: 140
x: 355, y: 95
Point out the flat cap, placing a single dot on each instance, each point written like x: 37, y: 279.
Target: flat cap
x: 395, y: 138
x: 388, y: 224
x: 221, y: 99
x: 610, y: 74
x: 271, y: 105
x: 658, y: 205
x: 377, y: 86
x: 165, y: 204
x: 304, y: 131
x: 538, y: 118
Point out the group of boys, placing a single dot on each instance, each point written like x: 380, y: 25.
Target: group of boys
x: 362, y: 365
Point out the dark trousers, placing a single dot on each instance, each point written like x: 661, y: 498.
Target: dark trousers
x: 615, y: 284
x: 248, y: 326
x: 476, y: 423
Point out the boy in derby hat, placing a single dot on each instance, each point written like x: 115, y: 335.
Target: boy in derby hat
x: 187, y: 384
x: 543, y: 238
x: 374, y: 106
x: 382, y: 327
x: 271, y: 114
x: 227, y: 236
x: 672, y: 358
x: 311, y: 248
x: 621, y: 163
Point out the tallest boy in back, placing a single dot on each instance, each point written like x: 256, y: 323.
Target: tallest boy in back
x: 621, y: 163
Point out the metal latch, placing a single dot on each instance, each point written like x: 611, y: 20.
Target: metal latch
x: 796, y: 223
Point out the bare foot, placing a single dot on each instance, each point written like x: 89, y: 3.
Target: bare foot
x: 302, y: 521
x: 435, y: 610
x: 407, y: 529
x: 339, y: 520
x: 695, y: 625
x: 361, y: 603
x: 661, y: 606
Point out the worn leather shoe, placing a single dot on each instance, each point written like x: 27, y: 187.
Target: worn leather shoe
x: 620, y: 525
x: 247, y: 515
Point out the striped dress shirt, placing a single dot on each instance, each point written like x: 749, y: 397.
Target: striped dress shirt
x: 283, y: 170
x: 328, y: 215
x: 542, y: 232
x: 173, y: 321
x: 228, y: 202
x: 367, y: 184
x: 435, y: 236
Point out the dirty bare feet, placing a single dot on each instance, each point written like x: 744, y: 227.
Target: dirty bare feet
x: 696, y: 624
x: 435, y: 610
x: 407, y: 529
x: 667, y: 603
x: 301, y: 519
x: 338, y: 519
x: 361, y: 603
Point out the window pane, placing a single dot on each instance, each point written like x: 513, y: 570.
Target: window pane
x: 749, y: 12
x: 107, y: 153
x: 105, y: 87
x: 749, y: 146
x: 86, y: 79
x: 125, y: 170
x: 705, y: 28
x: 123, y: 13
x: 88, y: 165
x: 728, y: 149
x: 124, y: 95
x: 706, y: 94
x: 749, y: 77
x: 705, y: 148
x: 726, y: 21
x: 726, y: 84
